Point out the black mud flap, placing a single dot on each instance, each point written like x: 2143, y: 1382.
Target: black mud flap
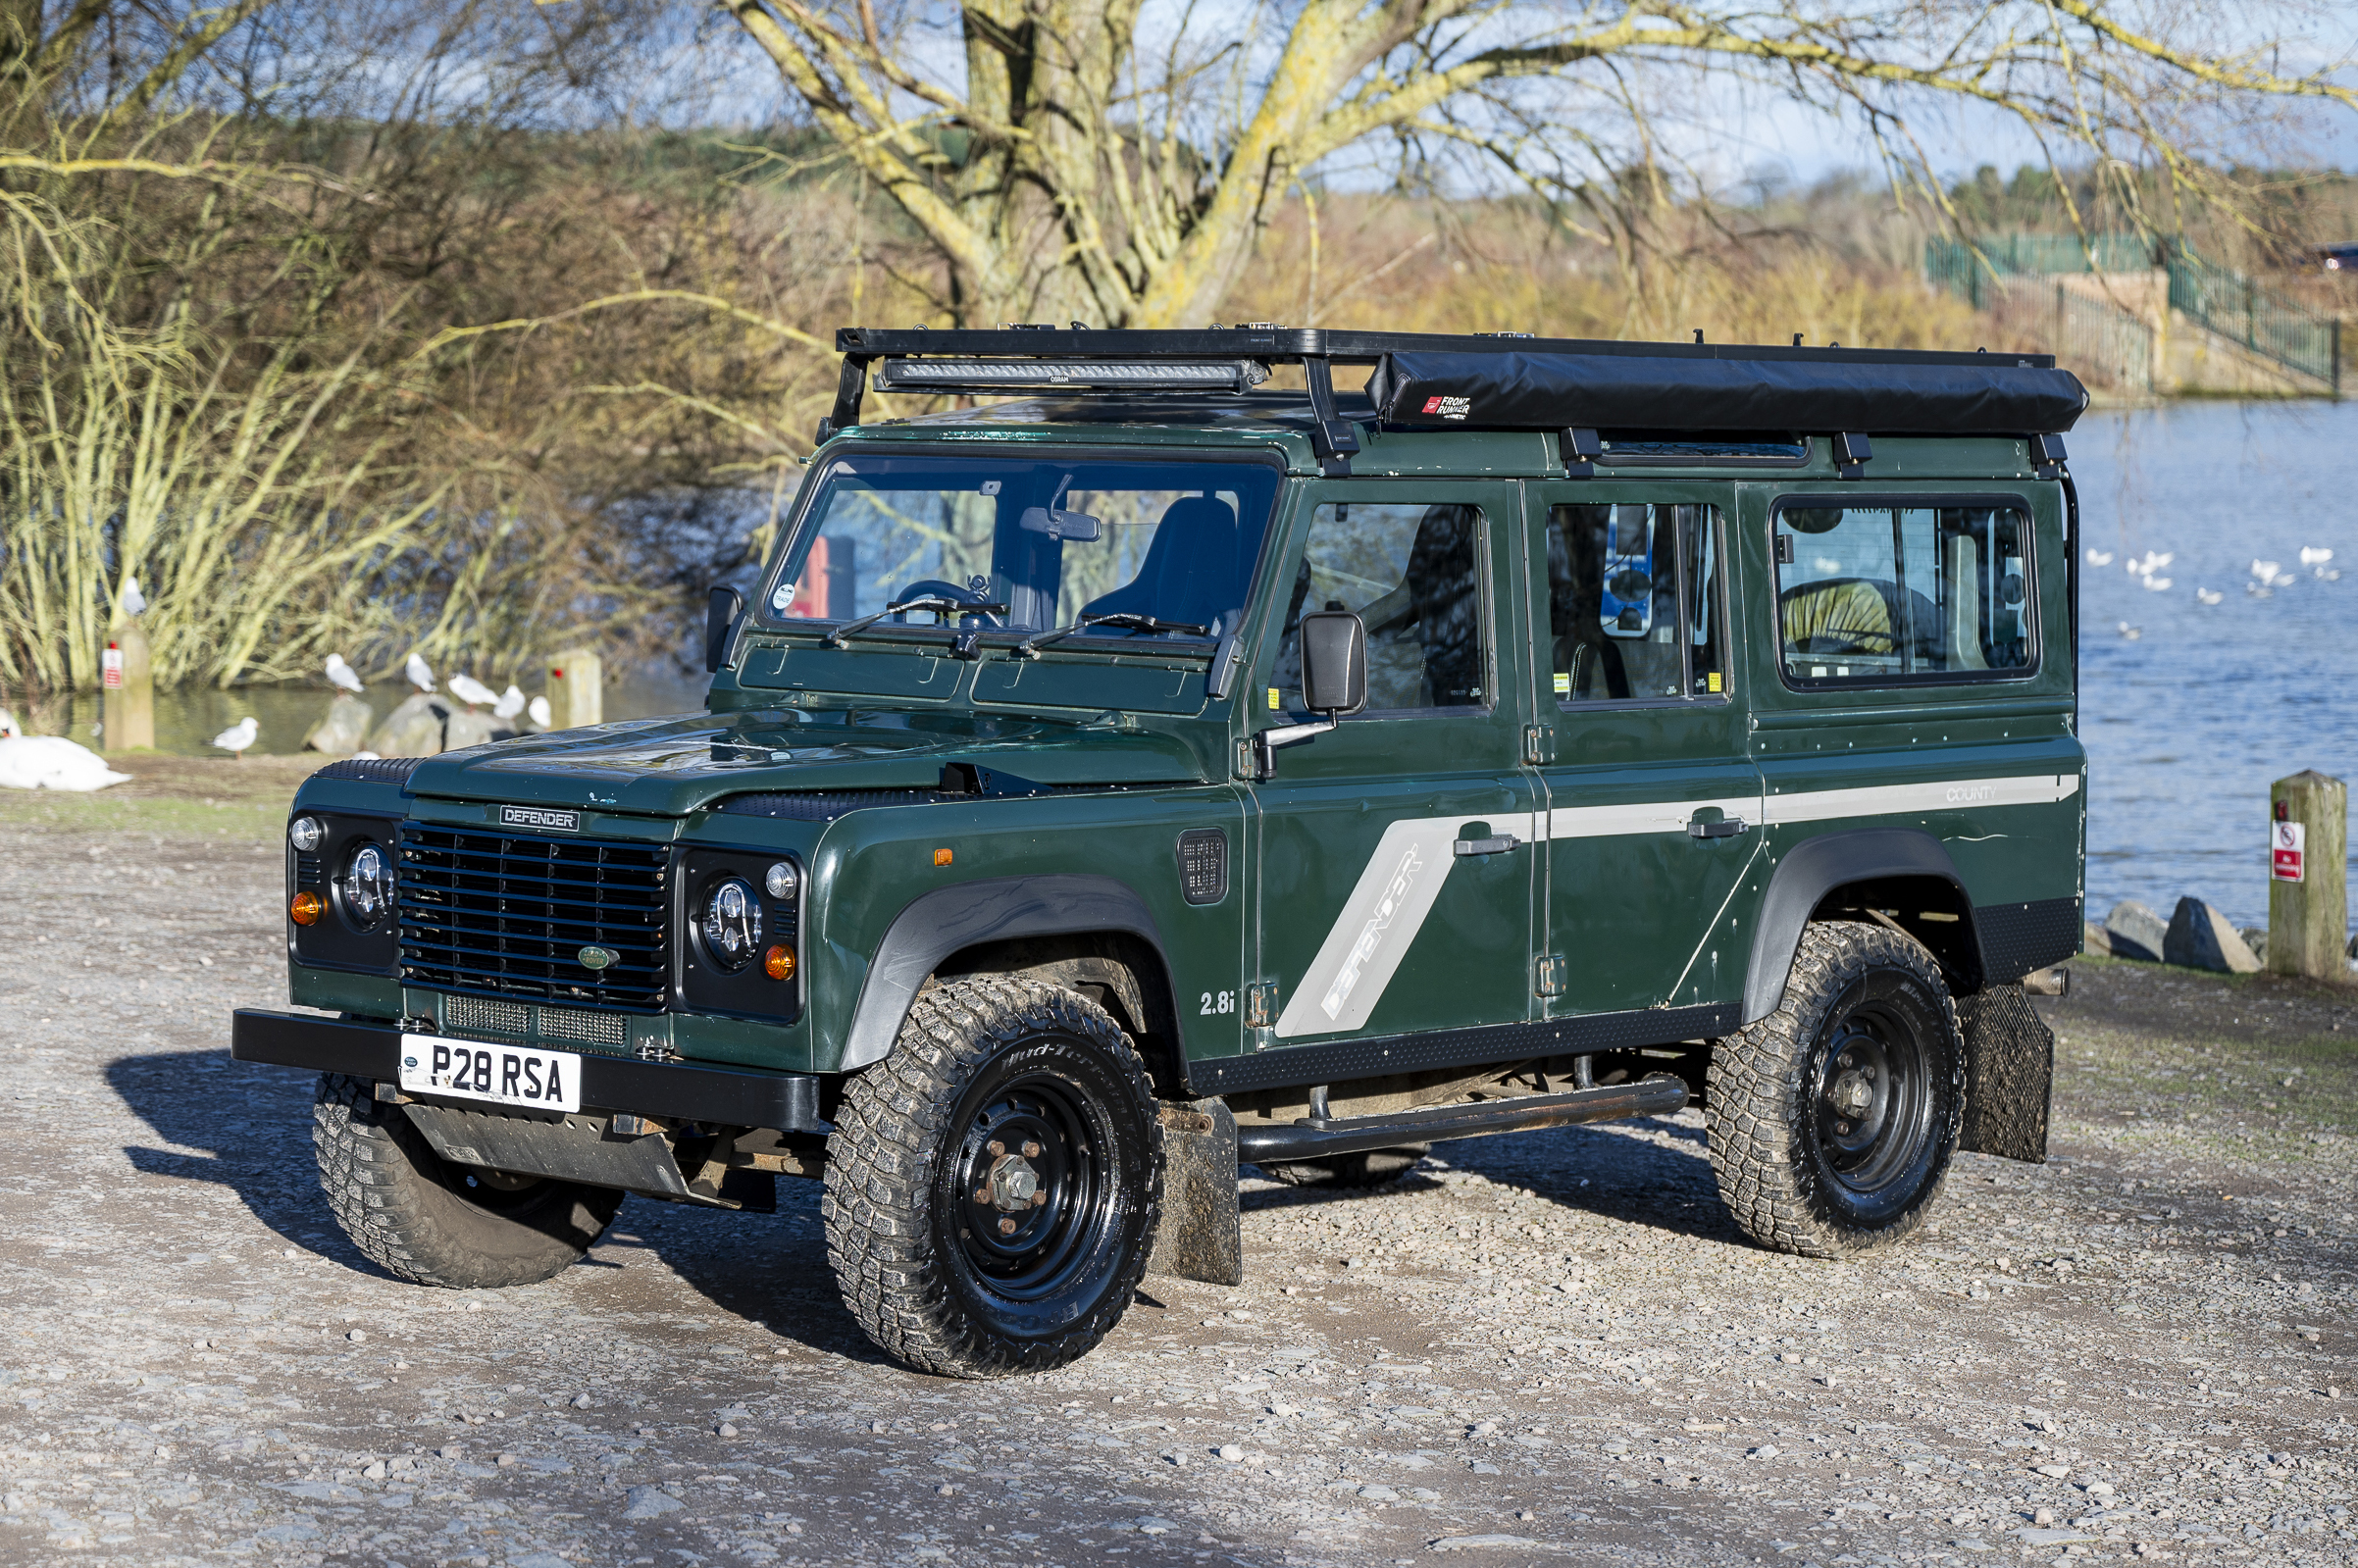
x: 2009, y: 1075
x: 1203, y: 1235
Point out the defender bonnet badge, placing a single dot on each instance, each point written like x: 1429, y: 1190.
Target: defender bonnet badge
x: 597, y: 957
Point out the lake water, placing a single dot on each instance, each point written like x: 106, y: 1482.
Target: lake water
x: 2185, y: 726
x: 2188, y: 724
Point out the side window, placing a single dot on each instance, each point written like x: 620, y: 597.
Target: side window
x: 1634, y: 602
x: 1413, y: 572
x: 1868, y: 593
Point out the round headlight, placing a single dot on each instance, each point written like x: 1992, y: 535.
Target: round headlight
x: 731, y: 923
x: 305, y: 833
x: 783, y: 880
x: 368, y: 886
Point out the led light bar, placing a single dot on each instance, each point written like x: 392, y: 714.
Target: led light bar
x: 1004, y: 376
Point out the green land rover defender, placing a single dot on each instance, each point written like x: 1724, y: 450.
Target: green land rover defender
x: 1144, y: 771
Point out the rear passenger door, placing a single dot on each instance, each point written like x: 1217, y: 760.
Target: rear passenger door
x: 1396, y: 867
x: 1652, y: 802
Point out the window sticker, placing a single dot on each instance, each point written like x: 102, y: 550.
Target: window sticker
x: 1272, y: 699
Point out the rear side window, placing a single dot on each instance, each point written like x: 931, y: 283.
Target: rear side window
x: 1633, y: 602
x: 1902, y: 591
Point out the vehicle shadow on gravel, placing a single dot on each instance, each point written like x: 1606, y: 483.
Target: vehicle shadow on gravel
x: 256, y: 1125
x: 768, y: 1270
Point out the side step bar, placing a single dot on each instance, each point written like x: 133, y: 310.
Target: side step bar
x: 1309, y: 1138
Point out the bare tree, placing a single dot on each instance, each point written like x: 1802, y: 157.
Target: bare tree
x: 1116, y: 162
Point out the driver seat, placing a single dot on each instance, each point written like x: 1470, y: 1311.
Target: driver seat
x: 1191, y: 572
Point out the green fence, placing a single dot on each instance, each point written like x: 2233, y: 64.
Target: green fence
x: 1951, y: 264
x: 2267, y: 325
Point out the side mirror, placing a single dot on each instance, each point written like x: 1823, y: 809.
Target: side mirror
x: 1334, y: 662
x: 720, y: 618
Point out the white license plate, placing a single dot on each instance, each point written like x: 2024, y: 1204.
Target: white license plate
x: 503, y: 1075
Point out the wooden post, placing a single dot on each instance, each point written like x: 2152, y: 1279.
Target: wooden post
x: 2308, y: 898
x: 127, y: 721
x: 577, y: 696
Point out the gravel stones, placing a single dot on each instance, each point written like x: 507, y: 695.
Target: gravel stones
x: 171, y: 1285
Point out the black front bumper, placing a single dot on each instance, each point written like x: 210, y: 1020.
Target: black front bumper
x: 787, y: 1102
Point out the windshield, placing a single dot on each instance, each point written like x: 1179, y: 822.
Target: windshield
x: 1052, y: 541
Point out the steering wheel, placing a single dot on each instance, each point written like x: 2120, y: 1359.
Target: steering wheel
x: 938, y: 587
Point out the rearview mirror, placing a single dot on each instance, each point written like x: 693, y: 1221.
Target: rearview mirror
x: 720, y: 618
x: 1334, y: 662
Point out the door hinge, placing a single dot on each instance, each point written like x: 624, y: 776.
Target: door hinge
x: 1260, y: 1005
x: 1247, y: 765
x: 1548, y: 974
x: 1539, y: 743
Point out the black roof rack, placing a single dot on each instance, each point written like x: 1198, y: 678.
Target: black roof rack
x: 1575, y: 386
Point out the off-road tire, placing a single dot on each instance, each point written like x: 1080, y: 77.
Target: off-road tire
x: 919, y: 1256
x: 1776, y: 1094
x: 1379, y: 1167
x: 435, y: 1223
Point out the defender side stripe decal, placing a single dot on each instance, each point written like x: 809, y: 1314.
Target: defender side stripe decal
x: 1402, y: 880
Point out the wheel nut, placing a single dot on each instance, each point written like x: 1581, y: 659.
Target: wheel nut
x: 997, y: 1147
x: 1038, y: 1199
x: 1006, y: 1226
x: 982, y: 1194
x: 1842, y: 1129
x: 1031, y: 1151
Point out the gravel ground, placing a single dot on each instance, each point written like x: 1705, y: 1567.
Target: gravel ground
x: 1536, y: 1347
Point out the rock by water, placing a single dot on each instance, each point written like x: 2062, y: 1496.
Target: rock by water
x: 2201, y: 937
x: 2136, y: 931
x: 413, y: 729
x: 341, y: 729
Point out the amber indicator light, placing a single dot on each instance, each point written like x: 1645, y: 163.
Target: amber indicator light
x: 941, y: 857
x: 779, y: 962
x: 304, y: 909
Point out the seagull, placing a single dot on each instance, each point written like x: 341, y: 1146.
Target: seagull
x: 419, y: 675
x: 510, y: 703
x: 2132, y: 633
x: 2286, y: 580
x: 135, y: 603
x: 2312, y: 556
x: 2157, y: 584
x: 2265, y: 571
x: 2259, y: 592
x: 470, y: 692
x: 2100, y: 557
x: 342, y: 675
x: 539, y: 711
x: 238, y: 737
x: 2206, y: 597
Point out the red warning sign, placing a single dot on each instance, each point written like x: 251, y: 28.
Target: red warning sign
x: 110, y: 664
x: 2286, y: 844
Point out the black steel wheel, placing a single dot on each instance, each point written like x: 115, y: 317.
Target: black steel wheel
x: 994, y: 1184
x: 1833, y: 1120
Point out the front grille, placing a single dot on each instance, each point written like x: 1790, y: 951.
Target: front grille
x: 508, y: 915
x: 602, y: 1029
x: 474, y: 1014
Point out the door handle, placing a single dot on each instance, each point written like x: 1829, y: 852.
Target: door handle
x: 1497, y: 845
x: 1726, y: 827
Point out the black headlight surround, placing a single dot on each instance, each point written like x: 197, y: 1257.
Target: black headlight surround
x: 352, y: 908
x: 703, y: 984
x: 342, y: 938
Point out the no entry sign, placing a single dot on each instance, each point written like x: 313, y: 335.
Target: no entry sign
x: 2286, y: 841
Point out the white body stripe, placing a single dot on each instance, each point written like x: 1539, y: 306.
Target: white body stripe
x: 1891, y: 801
x: 1403, y: 879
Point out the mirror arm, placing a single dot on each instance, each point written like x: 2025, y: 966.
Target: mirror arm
x: 1292, y: 735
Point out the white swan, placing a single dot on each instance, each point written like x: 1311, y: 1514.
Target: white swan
x: 50, y: 762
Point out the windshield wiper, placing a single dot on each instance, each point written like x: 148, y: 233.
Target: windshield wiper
x: 1127, y: 620
x: 934, y: 602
